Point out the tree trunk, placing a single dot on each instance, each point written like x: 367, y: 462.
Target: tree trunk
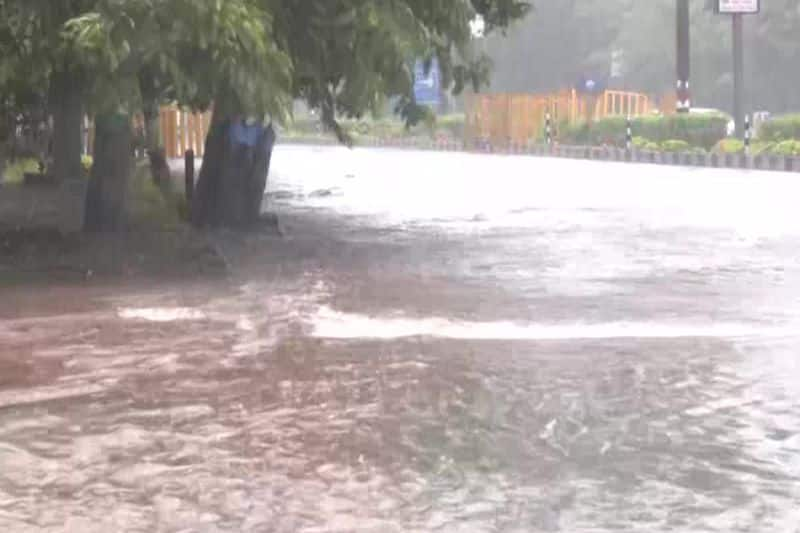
x: 233, y: 178
x: 108, y: 184
x: 66, y: 97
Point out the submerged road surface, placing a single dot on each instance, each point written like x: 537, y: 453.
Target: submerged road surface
x: 440, y: 342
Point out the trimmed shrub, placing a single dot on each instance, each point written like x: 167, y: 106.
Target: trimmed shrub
x: 789, y: 147
x: 703, y: 131
x: 736, y: 146
x: 729, y: 146
x: 608, y: 131
x: 675, y: 145
x: 780, y: 129
x: 452, y: 125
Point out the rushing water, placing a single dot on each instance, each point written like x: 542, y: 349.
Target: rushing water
x: 440, y: 342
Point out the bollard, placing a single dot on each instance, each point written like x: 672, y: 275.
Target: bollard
x: 548, y: 130
x: 629, y: 135
x: 189, y: 176
x: 747, y: 135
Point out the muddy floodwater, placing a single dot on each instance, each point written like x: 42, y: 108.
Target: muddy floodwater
x: 439, y: 342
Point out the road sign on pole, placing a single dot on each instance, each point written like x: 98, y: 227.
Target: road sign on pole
x: 428, y: 83
x: 738, y: 7
x: 738, y: 74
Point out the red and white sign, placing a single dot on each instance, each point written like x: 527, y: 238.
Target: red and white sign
x: 729, y: 7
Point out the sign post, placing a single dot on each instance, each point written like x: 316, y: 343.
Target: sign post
x: 737, y: 9
x: 683, y: 56
x: 428, y: 84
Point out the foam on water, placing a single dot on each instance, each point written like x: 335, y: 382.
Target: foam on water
x: 332, y: 324
x: 160, y: 314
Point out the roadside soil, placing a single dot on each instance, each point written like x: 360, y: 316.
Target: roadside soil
x: 39, y: 255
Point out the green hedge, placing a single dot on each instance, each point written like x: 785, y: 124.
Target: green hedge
x: 736, y: 146
x: 702, y: 131
x: 788, y: 147
x: 729, y: 146
x: 780, y: 129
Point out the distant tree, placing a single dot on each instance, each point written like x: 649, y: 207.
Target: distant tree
x: 569, y: 37
x: 559, y: 44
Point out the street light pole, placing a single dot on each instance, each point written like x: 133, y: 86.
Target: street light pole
x: 683, y: 57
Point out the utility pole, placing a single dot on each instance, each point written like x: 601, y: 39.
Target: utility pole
x: 738, y: 73
x: 683, y: 56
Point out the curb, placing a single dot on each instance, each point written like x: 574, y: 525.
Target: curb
x: 776, y: 163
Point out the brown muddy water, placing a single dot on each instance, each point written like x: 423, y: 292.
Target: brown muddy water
x: 440, y: 342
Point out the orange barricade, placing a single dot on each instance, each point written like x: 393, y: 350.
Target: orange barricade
x: 520, y: 118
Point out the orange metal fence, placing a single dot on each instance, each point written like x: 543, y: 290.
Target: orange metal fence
x: 501, y: 118
x: 183, y: 130
x: 520, y: 118
x: 180, y: 131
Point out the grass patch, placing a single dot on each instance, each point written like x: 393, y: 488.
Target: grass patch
x: 150, y: 206
x: 15, y: 171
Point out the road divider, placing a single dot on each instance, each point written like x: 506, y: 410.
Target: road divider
x: 766, y: 162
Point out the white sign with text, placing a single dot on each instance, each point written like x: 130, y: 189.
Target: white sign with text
x: 739, y: 6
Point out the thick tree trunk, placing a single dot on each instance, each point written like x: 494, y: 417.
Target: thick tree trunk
x: 108, y: 184
x: 66, y: 97
x: 232, y: 181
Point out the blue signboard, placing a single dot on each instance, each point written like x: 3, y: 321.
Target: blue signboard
x: 591, y: 85
x: 427, y: 85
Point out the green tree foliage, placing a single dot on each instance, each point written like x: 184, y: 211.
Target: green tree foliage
x: 552, y: 49
x: 247, y: 57
x: 341, y: 56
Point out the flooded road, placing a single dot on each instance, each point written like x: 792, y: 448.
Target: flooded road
x: 439, y: 342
